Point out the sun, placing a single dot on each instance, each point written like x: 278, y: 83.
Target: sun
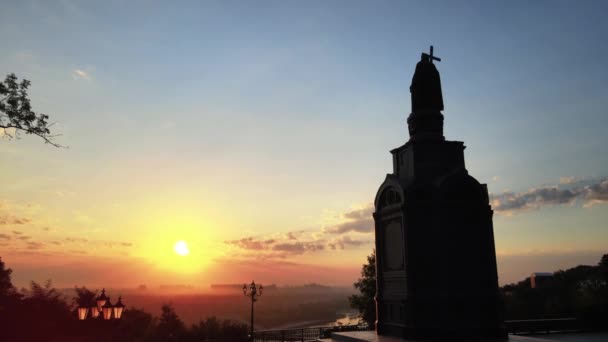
x: 181, y: 248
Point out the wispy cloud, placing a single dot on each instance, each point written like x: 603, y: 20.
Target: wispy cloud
x: 35, y: 245
x: 281, y: 246
x: 570, y: 190
x: 80, y: 74
x: 13, y: 220
x: 346, y: 240
x: 568, y: 180
x: 357, y: 220
x: 299, y: 247
x: 351, y: 229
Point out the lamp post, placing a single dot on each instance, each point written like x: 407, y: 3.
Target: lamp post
x: 252, y: 291
x: 102, y: 307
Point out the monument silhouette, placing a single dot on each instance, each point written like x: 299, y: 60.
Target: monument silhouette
x: 435, y: 255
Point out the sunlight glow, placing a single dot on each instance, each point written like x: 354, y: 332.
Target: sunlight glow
x: 181, y: 248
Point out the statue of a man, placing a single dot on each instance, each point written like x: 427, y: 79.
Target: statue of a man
x: 426, y: 86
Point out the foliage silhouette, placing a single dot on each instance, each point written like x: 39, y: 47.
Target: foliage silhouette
x: 6, y: 285
x: 84, y: 297
x: 170, y: 327
x: 580, y: 292
x: 43, y: 307
x: 16, y: 114
x: 366, y: 285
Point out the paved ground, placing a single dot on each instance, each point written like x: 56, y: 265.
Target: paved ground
x: 577, y: 337
x: 370, y: 336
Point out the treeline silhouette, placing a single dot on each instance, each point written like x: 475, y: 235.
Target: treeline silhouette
x: 580, y: 292
x: 40, y: 313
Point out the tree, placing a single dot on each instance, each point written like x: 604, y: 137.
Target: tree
x: 364, y: 302
x: 84, y: 297
x: 136, y: 326
x: 170, y: 326
x: 16, y: 114
x: 6, y: 286
x: 603, y: 267
x: 10, y: 300
x: 44, y: 308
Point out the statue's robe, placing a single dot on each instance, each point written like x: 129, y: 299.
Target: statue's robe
x: 426, y: 87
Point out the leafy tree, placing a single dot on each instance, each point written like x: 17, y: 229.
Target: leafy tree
x: 603, y: 267
x: 170, y: 326
x: 45, y: 308
x: 6, y: 286
x: 10, y: 301
x: 16, y: 114
x: 580, y: 292
x: 136, y: 326
x: 234, y: 332
x: 364, y: 302
x: 206, y: 330
x: 213, y: 329
x: 84, y: 297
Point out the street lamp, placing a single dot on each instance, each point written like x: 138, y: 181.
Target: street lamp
x: 82, y: 312
x: 253, y: 292
x: 101, y: 300
x: 102, y: 307
x: 107, y: 310
x: 118, y: 308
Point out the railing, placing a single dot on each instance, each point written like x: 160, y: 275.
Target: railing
x: 542, y: 326
x: 302, y: 334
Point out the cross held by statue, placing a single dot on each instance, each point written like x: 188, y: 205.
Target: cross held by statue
x: 430, y: 57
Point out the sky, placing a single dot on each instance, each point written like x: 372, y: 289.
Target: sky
x: 259, y: 132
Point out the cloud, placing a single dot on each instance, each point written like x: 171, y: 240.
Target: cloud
x: 531, y: 199
x: 567, y: 180
x: 33, y: 245
x: 77, y: 251
x: 596, y: 193
x: 102, y: 243
x: 9, y: 219
x: 331, y: 237
x: 80, y: 74
x: 357, y: 220
x: 76, y: 240
x: 299, y: 247
x: 286, y: 244
x: 5, y: 237
x: 588, y: 192
x: 248, y: 243
x: 343, y: 241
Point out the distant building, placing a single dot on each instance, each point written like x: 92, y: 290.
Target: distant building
x: 238, y: 287
x: 539, y: 279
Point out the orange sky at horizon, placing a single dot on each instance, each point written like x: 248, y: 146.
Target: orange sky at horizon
x: 331, y: 255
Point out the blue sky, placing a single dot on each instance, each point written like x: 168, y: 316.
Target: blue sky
x: 285, y: 111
